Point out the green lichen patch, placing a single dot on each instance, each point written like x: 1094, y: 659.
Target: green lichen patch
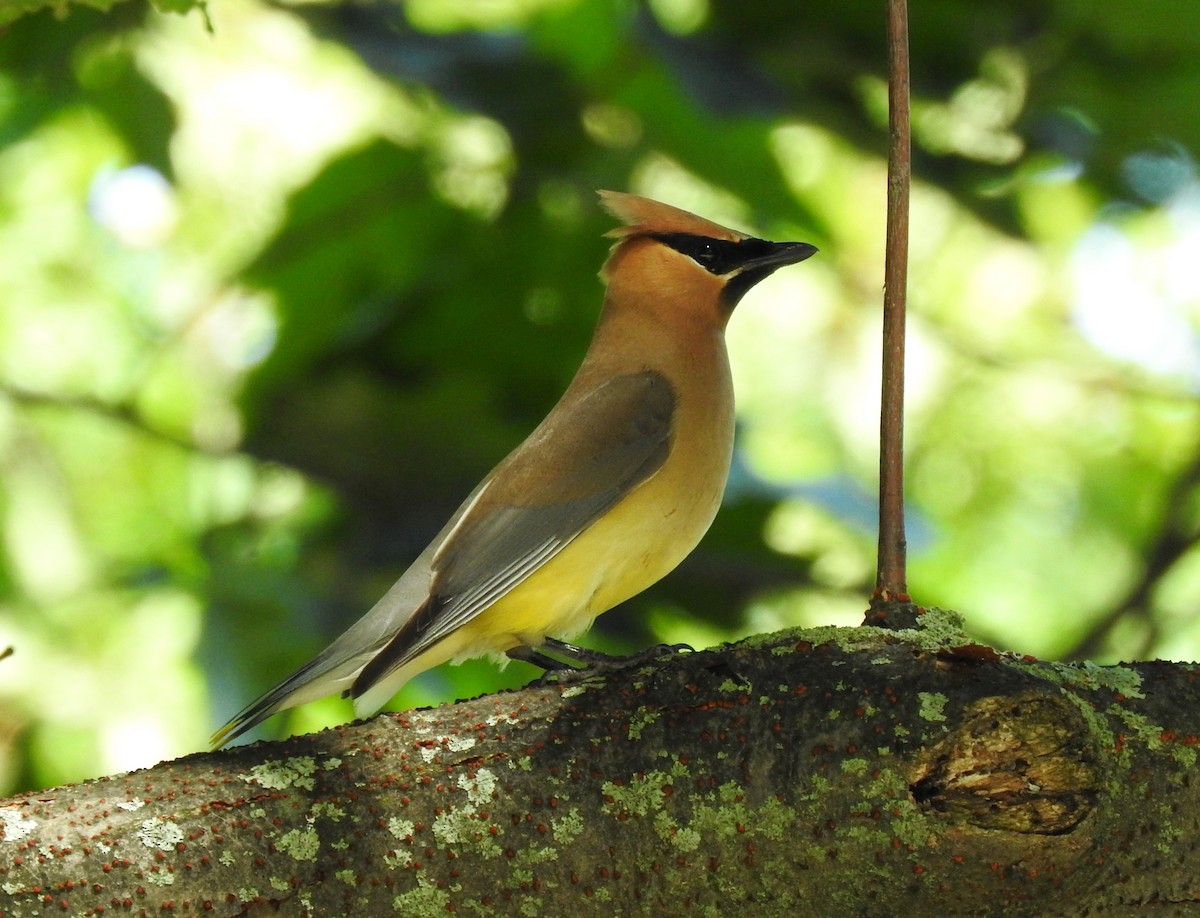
x: 330, y: 811
x: 567, y: 827
x: 1153, y: 736
x: 281, y: 774
x: 479, y: 786
x: 933, y: 706
x: 1121, y: 680
x: 639, y: 721
x: 156, y: 877
x: 642, y: 795
x: 939, y: 629
x: 301, y: 844
x: 461, y: 828
x: 160, y: 833
x: 424, y: 899
x: 401, y: 828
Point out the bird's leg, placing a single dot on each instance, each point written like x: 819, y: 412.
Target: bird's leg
x: 588, y: 662
x: 536, y: 658
x: 577, y: 654
x: 587, y: 657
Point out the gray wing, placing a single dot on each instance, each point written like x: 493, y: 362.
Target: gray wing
x: 570, y: 472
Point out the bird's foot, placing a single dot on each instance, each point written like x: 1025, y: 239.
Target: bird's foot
x: 587, y: 656
x: 585, y: 662
x: 535, y: 657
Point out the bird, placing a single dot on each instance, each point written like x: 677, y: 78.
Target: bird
x: 605, y: 497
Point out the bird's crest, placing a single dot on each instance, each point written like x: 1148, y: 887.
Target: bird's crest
x: 643, y: 216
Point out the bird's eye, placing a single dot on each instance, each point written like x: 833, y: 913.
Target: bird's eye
x: 710, y: 254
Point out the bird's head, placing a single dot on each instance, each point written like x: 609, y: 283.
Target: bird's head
x: 665, y: 250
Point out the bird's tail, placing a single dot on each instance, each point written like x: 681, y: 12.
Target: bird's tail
x: 335, y: 668
x: 321, y: 676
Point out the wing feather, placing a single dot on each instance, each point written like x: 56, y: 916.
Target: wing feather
x: 572, y: 470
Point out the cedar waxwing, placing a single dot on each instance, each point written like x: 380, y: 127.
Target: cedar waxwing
x: 610, y: 492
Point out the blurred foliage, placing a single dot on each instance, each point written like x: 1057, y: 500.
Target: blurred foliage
x: 276, y: 295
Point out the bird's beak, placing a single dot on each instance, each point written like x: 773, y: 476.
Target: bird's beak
x: 777, y: 255
x: 759, y: 259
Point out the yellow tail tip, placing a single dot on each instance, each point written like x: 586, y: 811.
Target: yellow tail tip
x: 221, y: 737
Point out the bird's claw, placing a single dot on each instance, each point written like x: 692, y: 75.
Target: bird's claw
x: 590, y: 662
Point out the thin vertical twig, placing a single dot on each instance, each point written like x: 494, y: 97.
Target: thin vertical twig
x: 891, y: 584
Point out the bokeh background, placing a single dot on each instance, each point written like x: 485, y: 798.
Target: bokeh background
x: 280, y: 282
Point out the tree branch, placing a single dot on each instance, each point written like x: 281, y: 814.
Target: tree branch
x: 876, y: 772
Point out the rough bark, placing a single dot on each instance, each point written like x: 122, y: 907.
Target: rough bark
x: 839, y: 772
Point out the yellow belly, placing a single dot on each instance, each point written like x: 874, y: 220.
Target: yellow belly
x: 636, y: 544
